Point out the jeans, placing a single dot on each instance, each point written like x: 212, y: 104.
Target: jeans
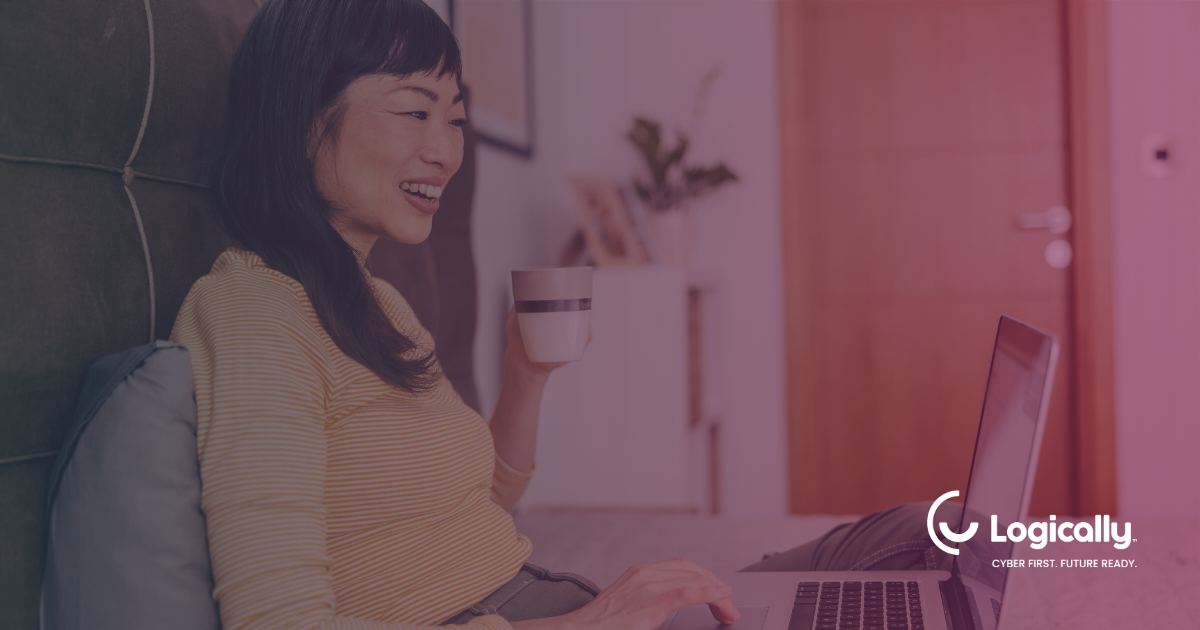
x: 890, y: 540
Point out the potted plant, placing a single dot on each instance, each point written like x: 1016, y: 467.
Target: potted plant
x: 670, y: 181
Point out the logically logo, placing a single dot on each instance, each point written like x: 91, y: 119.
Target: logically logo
x: 953, y: 537
x: 1038, y: 533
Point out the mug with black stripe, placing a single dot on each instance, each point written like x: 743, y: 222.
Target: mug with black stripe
x: 554, y: 309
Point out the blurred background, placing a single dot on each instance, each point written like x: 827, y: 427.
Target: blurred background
x: 906, y: 172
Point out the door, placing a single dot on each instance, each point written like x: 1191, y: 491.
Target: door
x: 925, y: 129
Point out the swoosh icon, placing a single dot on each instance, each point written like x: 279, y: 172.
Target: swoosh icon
x: 951, y: 536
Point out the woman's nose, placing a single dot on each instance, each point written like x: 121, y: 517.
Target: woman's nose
x: 443, y: 147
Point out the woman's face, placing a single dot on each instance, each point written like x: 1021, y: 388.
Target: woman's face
x: 399, y: 142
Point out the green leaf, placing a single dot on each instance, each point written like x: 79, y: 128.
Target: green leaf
x: 672, y: 180
x: 646, y: 135
x: 676, y: 154
x: 711, y: 177
x: 643, y: 191
x: 718, y: 175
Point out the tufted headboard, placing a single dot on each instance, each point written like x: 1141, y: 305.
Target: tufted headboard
x: 109, y: 115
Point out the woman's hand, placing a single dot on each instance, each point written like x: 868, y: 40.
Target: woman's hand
x: 643, y: 597
x: 515, y: 358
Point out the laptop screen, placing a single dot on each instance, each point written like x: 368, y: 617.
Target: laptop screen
x: 1014, y: 407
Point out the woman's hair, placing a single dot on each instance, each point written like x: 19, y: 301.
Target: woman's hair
x: 288, y: 75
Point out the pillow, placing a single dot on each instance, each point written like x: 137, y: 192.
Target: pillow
x: 127, y: 546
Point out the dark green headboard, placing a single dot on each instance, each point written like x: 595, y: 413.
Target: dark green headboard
x: 109, y: 115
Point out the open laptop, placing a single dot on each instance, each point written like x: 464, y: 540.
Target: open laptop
x: 971, y: 595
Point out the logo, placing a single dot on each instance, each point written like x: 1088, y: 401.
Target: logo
x: 953, y: 537
x: 1039, y: 533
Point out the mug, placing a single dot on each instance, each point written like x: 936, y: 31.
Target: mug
x: 554, y: 309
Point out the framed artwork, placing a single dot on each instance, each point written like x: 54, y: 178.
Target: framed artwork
x: 496, y: 39
x: 608, y: 231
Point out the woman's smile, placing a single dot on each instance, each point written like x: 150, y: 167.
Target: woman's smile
x: 424, y: 193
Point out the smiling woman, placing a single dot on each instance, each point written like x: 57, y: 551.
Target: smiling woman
x: 289, y: 176
x: 344, y: 482
x: 398, y: 141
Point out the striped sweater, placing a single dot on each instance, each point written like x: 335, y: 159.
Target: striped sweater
x: 334, y: 500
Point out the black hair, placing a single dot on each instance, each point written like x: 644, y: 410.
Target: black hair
x: 295, y: 61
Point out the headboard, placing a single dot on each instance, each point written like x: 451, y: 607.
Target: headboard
x: 109, y: 115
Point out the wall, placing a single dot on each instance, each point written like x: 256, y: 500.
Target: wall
x: 598, y: 63
x: 1155, y: 82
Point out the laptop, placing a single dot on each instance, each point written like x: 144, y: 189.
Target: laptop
x: 970, y: 596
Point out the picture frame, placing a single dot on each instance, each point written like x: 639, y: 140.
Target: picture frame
x: 496, y: 37
x: 608, y: 230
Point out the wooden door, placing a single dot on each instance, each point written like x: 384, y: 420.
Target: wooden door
x: 924, y: 129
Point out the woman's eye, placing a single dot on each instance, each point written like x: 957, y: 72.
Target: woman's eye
x: 459, y: 122
x: 418, y: 115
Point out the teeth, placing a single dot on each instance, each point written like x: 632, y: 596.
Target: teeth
x: 432, y: 192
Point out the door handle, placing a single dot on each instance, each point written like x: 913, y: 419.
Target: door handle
x: 1057, y: 219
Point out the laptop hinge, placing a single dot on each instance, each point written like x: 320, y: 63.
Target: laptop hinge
x: 954, y: 605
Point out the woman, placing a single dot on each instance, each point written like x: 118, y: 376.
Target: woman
x: 345, y: 484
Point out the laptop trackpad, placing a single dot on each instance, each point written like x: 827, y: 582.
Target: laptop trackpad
x: 700, y: 618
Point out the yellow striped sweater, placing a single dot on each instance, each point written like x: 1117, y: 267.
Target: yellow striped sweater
x: 334, y: 500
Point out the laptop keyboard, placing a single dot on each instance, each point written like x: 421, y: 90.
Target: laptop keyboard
x: 858, y: 606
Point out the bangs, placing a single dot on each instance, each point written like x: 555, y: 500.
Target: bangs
x: 404, y: 38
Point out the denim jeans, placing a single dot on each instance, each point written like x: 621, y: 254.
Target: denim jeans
x: 895, y: 539
x: 890, y: 540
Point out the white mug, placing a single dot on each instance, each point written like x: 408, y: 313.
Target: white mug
x: 554, y: 310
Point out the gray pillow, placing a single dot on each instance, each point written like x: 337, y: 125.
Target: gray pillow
x: 127, y: 545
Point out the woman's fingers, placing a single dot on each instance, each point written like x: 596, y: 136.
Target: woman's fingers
x: 714, y: 592
x: 724, y: 611
x: 646, y: 594
x: 516, y: 346
x: 716, y: 596
x: 683, y: 568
